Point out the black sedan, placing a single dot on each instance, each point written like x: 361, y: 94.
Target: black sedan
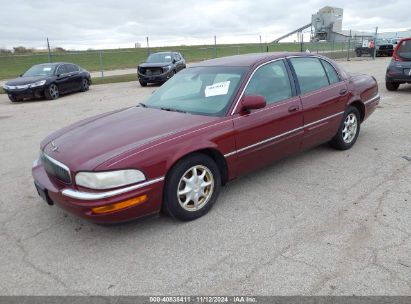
x: 48, y: 80
x: 159, y: 67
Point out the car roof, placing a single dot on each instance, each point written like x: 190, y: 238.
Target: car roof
x: 54, y: 63
x: 247, y: 60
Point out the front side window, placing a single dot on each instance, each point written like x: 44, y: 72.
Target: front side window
x: 199, y: 90
x: 270, y: 81
x: 310, y: 74
x: 62, y: 70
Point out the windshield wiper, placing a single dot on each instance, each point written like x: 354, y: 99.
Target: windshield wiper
x: 142, y: 105
x: 172, y: 110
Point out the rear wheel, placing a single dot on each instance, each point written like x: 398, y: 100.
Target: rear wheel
x: 392, y: 86
x: 52, y: 92
x: 192, y: 187
x: 143, y: 83
x: 85, y: 85
x: 348, y: 131
x: 359, y: 53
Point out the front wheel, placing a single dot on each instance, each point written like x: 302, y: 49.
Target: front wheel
x: 143, y: 83
x: 85, y: 85
x: 52, y: 92
x: 348, y: 131
x: 392, y: 86
x: 12, y: 98
x: 192, y: 187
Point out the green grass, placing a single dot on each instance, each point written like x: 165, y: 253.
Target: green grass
x: 114, y: 79
x: 14, y: 65
x: 2, y: 91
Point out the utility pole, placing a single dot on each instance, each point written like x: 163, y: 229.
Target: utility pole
x: 148, y: 47
x: 48, y: 47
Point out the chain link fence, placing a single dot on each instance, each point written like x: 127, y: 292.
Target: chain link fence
x: 117, y: 59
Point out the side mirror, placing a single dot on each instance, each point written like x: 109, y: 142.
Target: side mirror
x: 174, y: 61
x: 252, y: 102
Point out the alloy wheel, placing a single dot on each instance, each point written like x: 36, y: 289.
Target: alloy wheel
x: 195, y: 188
x: 350, y: 128
x: 54, y: 91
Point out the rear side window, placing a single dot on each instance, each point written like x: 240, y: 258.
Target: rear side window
x: 404, y: 50
x: 310, y: 74
x: 72, y: 68
x: 270, y: 81
x: 331, y: 73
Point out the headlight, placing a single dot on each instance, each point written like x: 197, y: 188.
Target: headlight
x: 109, y: 179
x: 37, y: 84
x: 167, y: 68
x: 5, y: 86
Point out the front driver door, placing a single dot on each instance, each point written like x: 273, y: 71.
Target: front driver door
x: 265, y: 135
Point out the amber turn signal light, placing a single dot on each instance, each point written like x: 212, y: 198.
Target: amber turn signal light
x: 121, y: 205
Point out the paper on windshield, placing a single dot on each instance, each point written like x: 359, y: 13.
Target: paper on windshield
x: 46, y: 69
x: 216, y: 89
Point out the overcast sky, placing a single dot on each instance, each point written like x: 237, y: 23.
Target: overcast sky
x: 83, y: 24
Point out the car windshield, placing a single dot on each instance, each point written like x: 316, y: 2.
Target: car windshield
x: 199, y: 90
x: 40, y: 70
x: 159, y: 58
x: 404, y: 50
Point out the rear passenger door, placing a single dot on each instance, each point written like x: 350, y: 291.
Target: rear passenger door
x: 268, y: 134
x: 323, y: 95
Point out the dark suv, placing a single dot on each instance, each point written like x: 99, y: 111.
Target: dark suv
x: 399, y: 70
x: 159, y: 67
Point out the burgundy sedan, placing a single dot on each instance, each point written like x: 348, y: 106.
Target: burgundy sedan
x: 211, y: 123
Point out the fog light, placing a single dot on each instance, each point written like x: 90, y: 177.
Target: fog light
x: 118, y: 206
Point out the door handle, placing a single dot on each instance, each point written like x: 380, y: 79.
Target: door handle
x: 293, y: 109
x: 343, y: 91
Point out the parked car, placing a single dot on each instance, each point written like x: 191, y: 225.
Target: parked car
x: 49, y: 80
x: 159, y: 67
x: 211, y: 123
x: 382, y: 48
x: 399, y: 69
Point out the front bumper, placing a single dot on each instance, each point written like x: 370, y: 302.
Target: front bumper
x: 28, y: 93
x: 81, y: 202
x: 155, y: 78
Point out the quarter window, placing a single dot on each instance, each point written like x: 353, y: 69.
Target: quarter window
x: 270, y: 81
x: 331, y: 73
x: 310, y: 74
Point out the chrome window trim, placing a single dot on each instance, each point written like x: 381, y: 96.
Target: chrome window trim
x: 90, y: 196
x: 249, y: 79
x: 281, y: 135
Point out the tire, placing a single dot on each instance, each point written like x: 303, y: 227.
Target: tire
x: 359, y: 53
x: 52, y: 92
x: 85, y: 85
x: 392, y: 86
x: 143, y: 83
x: 348, y: 131
x: 12, y: 98
x: 187, y: 195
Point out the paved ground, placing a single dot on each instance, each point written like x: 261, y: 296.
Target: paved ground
x: 322, y: 222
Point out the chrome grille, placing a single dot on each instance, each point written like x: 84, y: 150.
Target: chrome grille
x: 56, y: 169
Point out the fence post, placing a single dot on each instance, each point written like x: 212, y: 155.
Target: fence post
x: 101, y: 64
x: 261, y: 45
x: 375, y: 43
x: 215, y: 46
x: 349, y: 47
x: 148, y: 47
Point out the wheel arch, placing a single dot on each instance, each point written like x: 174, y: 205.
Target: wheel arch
x: 213, y: 153
x: 360, y: 107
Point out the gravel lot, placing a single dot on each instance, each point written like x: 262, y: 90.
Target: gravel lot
x: 322, y: 222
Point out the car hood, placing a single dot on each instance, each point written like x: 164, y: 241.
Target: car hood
x: 25, y: 80
x: 89, y: 143
x: 154, y: 65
